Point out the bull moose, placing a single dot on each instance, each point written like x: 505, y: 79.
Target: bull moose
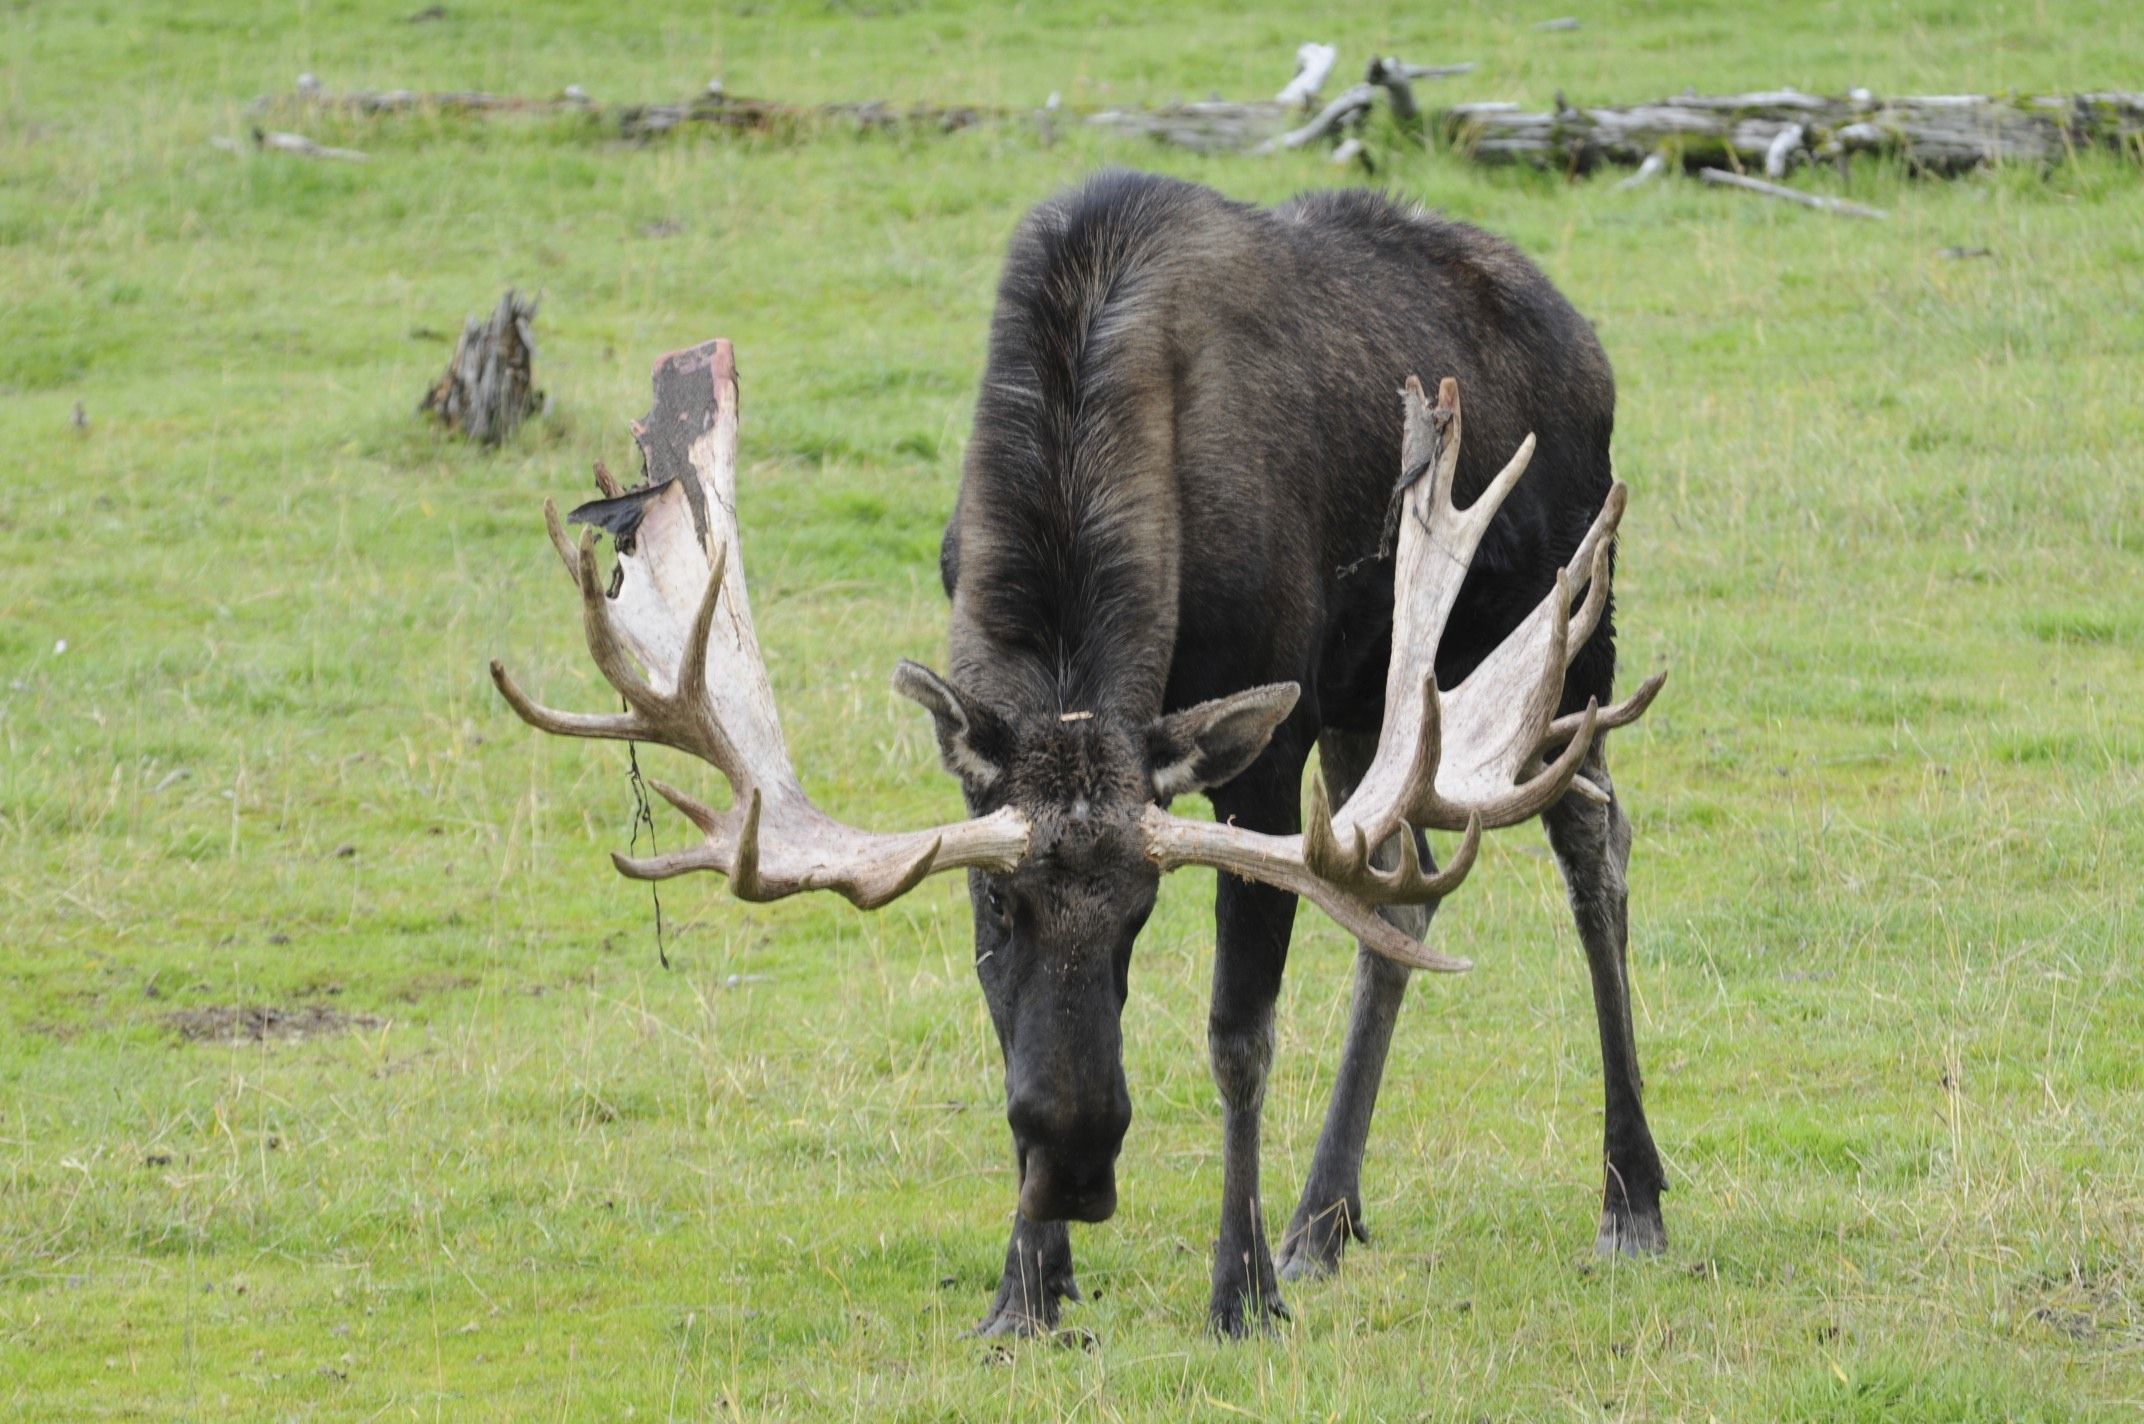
x: 1179, y: 560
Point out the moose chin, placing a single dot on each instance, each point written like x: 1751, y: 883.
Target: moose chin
x: 1194, y: 541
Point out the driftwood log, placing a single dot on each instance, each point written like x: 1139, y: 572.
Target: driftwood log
x: 713, y: 107
x: 489, y: 387
x: 1721, y: 177
x: 719, y: 110
x: 1211, y: 126
x: 1313, y: 62
x: 1768, y: 131
x: 1222, y: 126
x: 1943, y: 134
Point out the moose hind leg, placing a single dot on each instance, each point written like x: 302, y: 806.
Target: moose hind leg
x: 1038, y: 1276
x: 1329, y: 1212
x: 1592, y: 846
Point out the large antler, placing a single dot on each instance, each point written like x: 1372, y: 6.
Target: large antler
x: 673, y: 633
x: 1488, y: 753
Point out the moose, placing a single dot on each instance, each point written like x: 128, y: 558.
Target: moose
x: 1191, y: 544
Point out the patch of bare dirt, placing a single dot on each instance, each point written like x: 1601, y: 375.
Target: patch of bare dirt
x: 264, y: 1023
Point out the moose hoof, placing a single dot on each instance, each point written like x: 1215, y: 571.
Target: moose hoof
x: 1026, y: 1314
x: 1318, y: 1239
x: 1014, y: 1320
x: 1631, y: 1232
x: 1243, y: 1317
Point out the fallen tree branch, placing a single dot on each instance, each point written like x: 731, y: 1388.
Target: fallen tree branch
x: 714, y: 107
x: 302, y: 147
x: 1942, y: 134
x: 1772, y: 130
x: 1840, y: 206
x: 642, y: 121
x: 1213, y: 126
x: 1353, y: 103
x: 1313, y: 64
x: 1396, y: 77
x: 1782, y: 148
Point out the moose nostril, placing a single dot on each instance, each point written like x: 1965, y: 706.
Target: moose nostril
x: 1029, y: 1121
x: 1037, y: 1119
x: 1051, y: 1190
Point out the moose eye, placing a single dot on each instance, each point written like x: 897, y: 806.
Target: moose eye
x: 996, y: 901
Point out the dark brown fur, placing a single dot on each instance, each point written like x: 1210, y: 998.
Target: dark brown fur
x: 1184, y: 449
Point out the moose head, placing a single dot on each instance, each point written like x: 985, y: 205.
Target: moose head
x: 1069, y: 832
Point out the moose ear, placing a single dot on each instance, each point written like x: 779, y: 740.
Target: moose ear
x: 1212, y: 743
x: 969, y: 742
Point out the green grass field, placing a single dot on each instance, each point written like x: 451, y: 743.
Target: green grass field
x: 491, y: 1161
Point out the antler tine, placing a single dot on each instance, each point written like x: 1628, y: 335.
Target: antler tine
x: 1321, y: 851
x: 1467, y: 526
x: 616, y: 726
x: 561, y: 540
x: 1592, y: 559
x: 865, y: 896
x: 610, y: 655
x: 1622, y: 714
x: 692, y: 671
x: 1548, y: 785
x: 1602, y: 529
x: 1428, y: 749
x: 1173, y: 842
x: 704, y: 856
x: 1407, y: 885
x: 1354, y: 868
x: 703, y: 816
x: 1587, y: 790
x: 745, y: 881
x: 1483, y: 510
x: 1588, y: 616
x: 1445, y: 421
x: 738, y: 859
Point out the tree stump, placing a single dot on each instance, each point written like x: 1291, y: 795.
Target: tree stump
x: 489, y: 387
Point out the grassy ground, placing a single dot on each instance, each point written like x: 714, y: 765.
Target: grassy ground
x: 489, y: 1160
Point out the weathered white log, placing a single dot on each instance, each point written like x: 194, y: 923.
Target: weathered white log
x: 303, y: 147
x: 1210, y: 127
x: 1350, y: 106
x: 1840, y: 206
x: 1431, y: 71
x: 1396, y: 77
x: 1553, y: 26
x: 1391, y: 76
x: 1349, y: 151
x: 1945, y: 133
x: 1782, y: 149
x: 1788, y: 98
x: 1313, y: 65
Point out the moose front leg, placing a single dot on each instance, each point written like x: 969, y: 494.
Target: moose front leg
x: 1252, y: 924
x: 1592, y: 845
x: 1038, y: 1277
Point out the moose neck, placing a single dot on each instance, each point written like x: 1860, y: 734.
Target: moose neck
x: 1068, y: 529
